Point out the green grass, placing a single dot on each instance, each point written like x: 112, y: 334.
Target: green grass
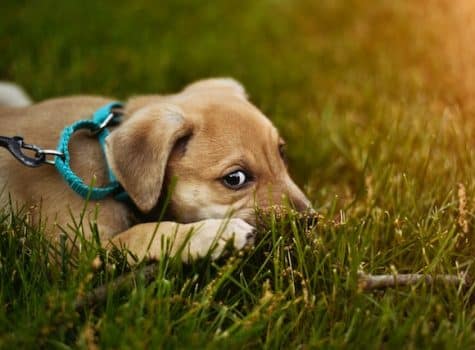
x: 373, y: 140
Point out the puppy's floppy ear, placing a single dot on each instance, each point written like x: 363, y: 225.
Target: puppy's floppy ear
x: 223, y: 85
x: 138, y: 150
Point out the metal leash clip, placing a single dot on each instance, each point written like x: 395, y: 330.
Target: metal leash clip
x: 111, y: 118
x: 15, y: 145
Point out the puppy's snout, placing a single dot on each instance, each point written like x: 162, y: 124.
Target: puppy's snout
x: 298, y: 200
x: 302, y: 204
x: 308, y: 215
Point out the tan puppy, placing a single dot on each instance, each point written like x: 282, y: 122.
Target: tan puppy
x: 225, y: 155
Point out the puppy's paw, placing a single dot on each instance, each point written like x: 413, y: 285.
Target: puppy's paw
x: 210, y: 237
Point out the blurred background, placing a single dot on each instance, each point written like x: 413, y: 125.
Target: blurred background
x: 316, y: 68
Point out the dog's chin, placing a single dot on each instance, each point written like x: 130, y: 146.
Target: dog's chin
x: 249, y: 215
x: 252, y: 215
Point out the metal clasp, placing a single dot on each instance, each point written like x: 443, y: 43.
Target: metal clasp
x: 106, y: 121
x: 16, y: 144
x: 114, y: 113
x: 50, y: 152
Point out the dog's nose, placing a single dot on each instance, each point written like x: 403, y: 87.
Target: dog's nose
x: 302, y: 204
x: 298, y: 200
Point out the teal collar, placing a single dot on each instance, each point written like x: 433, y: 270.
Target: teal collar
x: 97, y: 125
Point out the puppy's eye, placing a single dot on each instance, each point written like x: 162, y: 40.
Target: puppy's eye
x: 283, y: 152
x: 236, y: 179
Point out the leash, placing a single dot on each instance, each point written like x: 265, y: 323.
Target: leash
x: 97, y: 125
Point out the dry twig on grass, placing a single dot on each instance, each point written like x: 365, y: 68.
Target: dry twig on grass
x: 369, y: 282
x: 99, y: 294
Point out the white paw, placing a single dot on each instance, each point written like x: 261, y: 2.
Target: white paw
x: 210, y: 237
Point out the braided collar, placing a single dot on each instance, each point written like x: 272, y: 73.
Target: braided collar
x: 101, y: 118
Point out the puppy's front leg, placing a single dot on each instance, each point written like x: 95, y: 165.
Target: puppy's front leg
x: 152, y: 240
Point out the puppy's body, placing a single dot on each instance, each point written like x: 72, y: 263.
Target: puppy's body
x: 41, y: 124
x: 198, y: 136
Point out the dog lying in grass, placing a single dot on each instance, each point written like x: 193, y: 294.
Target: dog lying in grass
x: 226, y: 157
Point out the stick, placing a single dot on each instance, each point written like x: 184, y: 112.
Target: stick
x: 369, y: 282
x: 99, y: 294
x: 366, y: 282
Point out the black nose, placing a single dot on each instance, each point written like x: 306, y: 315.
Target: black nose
x: 307, y: 217
x: 302, y: 204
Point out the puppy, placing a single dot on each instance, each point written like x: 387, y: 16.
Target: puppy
x: 222, y: 154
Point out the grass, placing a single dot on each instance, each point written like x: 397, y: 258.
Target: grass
x: 377, y: 138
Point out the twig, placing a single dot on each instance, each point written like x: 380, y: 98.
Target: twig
x: 99, y: 294
x: 366, y: 282
x: 369, y: 282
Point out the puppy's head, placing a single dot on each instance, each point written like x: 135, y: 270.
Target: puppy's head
x: 226, y: 156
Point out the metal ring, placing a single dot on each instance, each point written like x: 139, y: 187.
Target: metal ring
x: 50, y: 152
x: 106, y: 121
x: 28, y: 146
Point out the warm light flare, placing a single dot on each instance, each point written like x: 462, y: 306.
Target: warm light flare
x: 450, y: 26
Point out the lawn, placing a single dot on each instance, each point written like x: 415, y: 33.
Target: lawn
x: 376, y: 102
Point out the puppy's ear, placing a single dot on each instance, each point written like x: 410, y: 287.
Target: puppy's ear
x: 138, y: 150
x: 223, y: 85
